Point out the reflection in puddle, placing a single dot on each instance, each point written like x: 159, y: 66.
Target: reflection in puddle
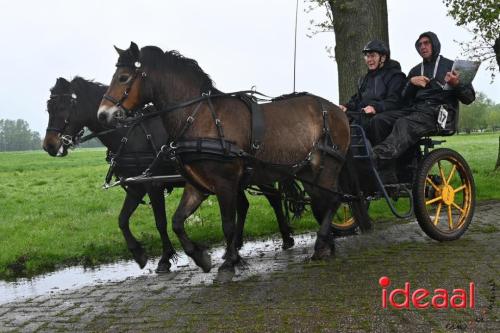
x: 78, y: 277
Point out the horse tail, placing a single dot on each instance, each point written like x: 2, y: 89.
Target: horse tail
x: 349, y: 183
x: 295, y: 197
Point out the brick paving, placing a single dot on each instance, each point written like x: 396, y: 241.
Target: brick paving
x: 282, y: 291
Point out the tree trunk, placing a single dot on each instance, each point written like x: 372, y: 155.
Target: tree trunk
x: 496, y: 48
x: 355, y: 23
x: 497, y: 165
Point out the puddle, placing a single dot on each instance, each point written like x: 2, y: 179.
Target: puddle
x: 255, y: 253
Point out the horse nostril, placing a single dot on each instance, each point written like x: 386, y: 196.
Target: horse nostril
x: 102, y: 117
x: 119, y: 115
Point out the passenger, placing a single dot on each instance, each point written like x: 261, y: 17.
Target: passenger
x: 425, y: 95
x: 379, y: 92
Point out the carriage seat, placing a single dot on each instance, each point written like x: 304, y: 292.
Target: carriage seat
x: 450, y: 127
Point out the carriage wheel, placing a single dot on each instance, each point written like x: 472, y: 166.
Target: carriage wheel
x: 344, y: 223
x: 444, y: 195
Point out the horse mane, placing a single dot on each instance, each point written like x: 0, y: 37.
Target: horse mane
x: 87, y: 91
x: 174, y: 61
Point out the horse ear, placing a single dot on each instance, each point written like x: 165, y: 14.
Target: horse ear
x: 120, y: 51
x: 134, y: 50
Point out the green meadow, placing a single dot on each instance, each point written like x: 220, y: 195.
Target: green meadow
x: 54, y: 213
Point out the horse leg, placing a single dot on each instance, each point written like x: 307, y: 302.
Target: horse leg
x: 227, y: 204
x: 323, y: 211
x: 158, y: 203
x: 324, y: 204
x: 274, y: 198
x: 190, y: 201
x: 241, y: 215
x: 129, y: 206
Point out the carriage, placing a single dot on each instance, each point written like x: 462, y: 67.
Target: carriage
x: 437, y: 184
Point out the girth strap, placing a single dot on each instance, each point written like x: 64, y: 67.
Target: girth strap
x: 258, y: 128
x: 209, y: 146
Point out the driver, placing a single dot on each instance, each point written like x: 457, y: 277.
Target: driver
x: 379, y: 92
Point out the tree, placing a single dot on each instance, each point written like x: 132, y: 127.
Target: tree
x: 497, y: 165
x: 15, y: 135
x: 482, y: 19
x: 494, y: 117
x: 475, y: 116
x: 354, y: 22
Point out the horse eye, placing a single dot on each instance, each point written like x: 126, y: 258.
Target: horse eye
x: 123, y: 78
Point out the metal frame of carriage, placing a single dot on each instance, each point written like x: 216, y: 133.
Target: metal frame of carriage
x: 439, y: 186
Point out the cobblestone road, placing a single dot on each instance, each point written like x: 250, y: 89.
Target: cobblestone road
x: 281, y: 291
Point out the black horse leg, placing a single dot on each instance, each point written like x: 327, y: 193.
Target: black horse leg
x: 227, y: 205
x: 190, y: 201
x: 274, y: 198
x: 129, y: 206
x: 323, y: 211
x: 158, y: 203
x: 241, y: 215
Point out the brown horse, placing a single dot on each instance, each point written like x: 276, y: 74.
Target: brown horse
x: 305, y: 137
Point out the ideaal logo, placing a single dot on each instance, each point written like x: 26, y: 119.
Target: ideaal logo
x: 422, y: 298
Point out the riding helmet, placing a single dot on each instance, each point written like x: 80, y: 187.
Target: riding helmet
x: 377, y: 46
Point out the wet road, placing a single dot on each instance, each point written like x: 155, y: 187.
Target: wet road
x: 281, y: 290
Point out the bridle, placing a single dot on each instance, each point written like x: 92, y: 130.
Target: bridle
x: 119, y: 102
x: 68, y: 141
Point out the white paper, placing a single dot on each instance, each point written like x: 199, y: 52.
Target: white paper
x: 467, y: 70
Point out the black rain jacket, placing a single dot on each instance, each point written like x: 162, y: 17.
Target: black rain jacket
x: 434, y: 94
x: 380, y: 88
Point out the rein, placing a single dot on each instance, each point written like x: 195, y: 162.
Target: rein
x: 203, y: 97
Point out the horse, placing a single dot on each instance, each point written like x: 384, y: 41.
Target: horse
x: 306, y: 137
x: 72, y: 106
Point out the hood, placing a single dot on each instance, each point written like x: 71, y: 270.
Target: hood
x: 392, y: 64
x: 389, y: 65
x: 436, y: 45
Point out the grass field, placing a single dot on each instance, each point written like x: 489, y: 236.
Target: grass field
x: 54, y: 212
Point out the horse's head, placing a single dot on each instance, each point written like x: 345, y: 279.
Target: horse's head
x: 62, y: 130
x: 124, y: 92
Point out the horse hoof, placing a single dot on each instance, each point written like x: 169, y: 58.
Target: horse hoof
x: 224, y: 276
x: 163, y: 267
x: 227, y: 267
x: 140, y: 257
x: 288, y: 243
x: 203, y: 260
x: 321, y: 254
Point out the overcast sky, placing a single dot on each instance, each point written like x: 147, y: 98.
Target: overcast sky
x: 239, y: 43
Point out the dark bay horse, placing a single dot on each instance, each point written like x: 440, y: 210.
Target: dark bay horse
x: 305, y: 136
x: 72, y: 106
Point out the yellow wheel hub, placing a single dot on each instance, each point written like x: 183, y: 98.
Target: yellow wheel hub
x: 448, y: 194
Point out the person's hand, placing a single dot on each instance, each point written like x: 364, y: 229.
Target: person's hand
x: 343, y: 108
x: 369, y: 109
x: 420, y: 81
x: 452, y: 78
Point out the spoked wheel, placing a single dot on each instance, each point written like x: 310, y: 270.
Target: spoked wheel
x: 344, y: 222
x: 444, y: 195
